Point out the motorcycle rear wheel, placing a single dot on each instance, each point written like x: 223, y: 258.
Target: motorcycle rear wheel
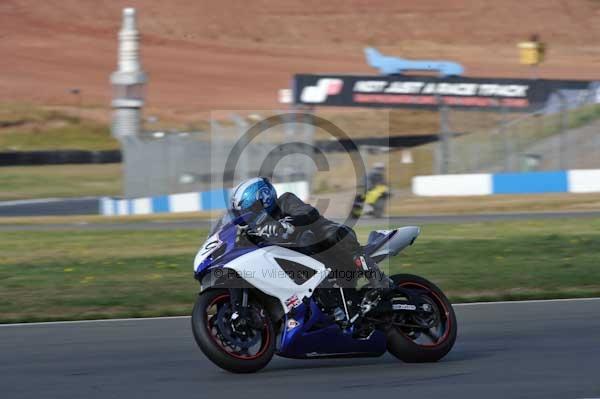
x: 422, y: 345
x: 206, y: 326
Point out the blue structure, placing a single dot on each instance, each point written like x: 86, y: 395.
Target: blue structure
x: 560, y: 181
x: 185, y: 202
x: 394, y: 65
x: 530, y: 182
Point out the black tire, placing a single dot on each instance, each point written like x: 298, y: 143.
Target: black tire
x: 399, y: 342
x: 216, y: 352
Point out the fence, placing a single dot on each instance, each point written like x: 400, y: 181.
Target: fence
x: 562, y: 134
x: 157, y: 163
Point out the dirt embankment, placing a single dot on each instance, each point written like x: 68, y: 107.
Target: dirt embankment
x: 206, y: 55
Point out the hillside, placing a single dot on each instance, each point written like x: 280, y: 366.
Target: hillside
x: 206, y: 55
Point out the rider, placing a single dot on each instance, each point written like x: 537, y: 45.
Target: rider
x: 376, y: 176
x: 287, y: 218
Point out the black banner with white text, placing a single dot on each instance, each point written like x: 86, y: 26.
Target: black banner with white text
x: 518, y: 95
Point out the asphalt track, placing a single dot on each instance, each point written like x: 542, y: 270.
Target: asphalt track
x: 547, y: 349
x: 51, y: 207
x: 91, y: 206
x: 393, y: 221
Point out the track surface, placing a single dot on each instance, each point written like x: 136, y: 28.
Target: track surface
x: 51, y: 207
x: 547, y: 349
x: 391, y: 221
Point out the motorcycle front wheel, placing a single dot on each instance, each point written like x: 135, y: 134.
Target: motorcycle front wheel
x: 228, y: 340
x: 422, y: 337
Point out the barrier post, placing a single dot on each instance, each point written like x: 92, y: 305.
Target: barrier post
x: 443, y: 158
x: 563, y: 125
x: 507, y: 140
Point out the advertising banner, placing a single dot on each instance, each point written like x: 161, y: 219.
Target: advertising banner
x: 431, y: 92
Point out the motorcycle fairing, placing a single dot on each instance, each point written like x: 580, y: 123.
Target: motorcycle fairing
x: 303, y: 340
x: 384, y: 243
x: 259, y: 266
x: 226, y: 237
x: 306, y: 332
x: 261, y: 269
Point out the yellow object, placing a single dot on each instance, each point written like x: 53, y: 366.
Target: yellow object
x: 374, y: 194
x: 531, y: 53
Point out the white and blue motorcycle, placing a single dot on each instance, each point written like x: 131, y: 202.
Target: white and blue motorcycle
x: 258, y: 299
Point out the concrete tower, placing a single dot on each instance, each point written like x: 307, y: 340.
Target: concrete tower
x: 128, y: 81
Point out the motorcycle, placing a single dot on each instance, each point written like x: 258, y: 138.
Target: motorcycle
x: 258, y: 299
x: 371, y: 203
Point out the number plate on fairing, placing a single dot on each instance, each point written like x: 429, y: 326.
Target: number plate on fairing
x: 210, y: 245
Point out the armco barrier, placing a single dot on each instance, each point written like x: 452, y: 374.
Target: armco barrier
x: 58, y: 157
x: 566, y: 181
x: 185, y: 202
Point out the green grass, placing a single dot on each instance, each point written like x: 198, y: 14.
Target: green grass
x: 509, y: 260
x: 26, y: 127
x: 79, y: 275
x: 583, y: 115
x: 99, y: 274
x: 20, y: 182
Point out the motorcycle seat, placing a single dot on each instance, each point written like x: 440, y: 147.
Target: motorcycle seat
x: 376, y: 240
x: 384, y: 243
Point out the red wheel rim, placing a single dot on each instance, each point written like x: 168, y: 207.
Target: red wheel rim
x: 444, y: 313
x: 227, y: 349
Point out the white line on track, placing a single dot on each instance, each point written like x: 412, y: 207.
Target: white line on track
x: 43, y: 201
x: 526, y: 301
x: 29, y: 202
x: 187, y: 317
x: 42, y: 323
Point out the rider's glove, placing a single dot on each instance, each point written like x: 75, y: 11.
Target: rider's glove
x: 288, y: 228
x: 269, y: 228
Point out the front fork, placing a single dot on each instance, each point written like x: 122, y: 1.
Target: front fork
x: 243, y: 315
x: 239, y: 298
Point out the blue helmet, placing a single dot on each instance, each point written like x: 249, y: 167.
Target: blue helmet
x: 252, y: 195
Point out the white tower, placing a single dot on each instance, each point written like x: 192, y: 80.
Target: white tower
x: 128, y: 81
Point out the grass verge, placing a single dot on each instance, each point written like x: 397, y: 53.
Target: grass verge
x: 560, y: 202
x: 25, y: 127
x: 18, y: 182
x: 72, y: 275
